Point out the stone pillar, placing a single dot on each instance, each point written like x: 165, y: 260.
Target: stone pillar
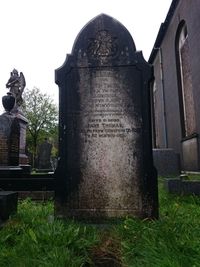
x: 23, y: 122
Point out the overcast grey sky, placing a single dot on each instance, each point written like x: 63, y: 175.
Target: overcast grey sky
x: 36, y: 35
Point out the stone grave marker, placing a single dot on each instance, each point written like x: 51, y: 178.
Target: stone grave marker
x: 44, y: 155
x: 105, y: 167
x: 8, y: 204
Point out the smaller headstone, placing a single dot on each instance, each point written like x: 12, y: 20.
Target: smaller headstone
x: 182, y: 187
x: 166, y: 162
x: 44, y: 155
x: 8, y: 204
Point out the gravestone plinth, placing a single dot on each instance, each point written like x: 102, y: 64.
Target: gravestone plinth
x: 9, y: 140
x: 23, y: 122
x: 13, y: 160
x: 105, y: 167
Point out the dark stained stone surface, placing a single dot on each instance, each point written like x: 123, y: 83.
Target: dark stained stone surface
x: 8, y: 204
x: 106, y: 166
x: 167, y: 162
x: 9, y: 140
x: 23, y: 158
x: 182, y: 187
x: 44, y: 155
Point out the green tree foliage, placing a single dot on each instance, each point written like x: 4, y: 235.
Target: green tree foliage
x: 42, y: 116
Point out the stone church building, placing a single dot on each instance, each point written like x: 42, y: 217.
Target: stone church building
x: 176, y: 88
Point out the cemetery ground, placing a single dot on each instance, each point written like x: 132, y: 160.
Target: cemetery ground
x: 33, y: 237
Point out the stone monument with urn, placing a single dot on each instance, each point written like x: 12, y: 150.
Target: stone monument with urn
x: 13, y: 125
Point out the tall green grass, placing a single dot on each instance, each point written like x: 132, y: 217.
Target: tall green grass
x: 32, y: 238
x: 171, y: 241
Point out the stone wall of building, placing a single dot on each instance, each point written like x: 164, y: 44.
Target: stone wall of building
x: 168, y: 110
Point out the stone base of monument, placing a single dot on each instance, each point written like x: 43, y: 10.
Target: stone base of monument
x: 23, y: 122
x: 95, y: 216
x: 23, y: 159
x: 43, y: 170
x: 10, y: 171
x: 8, y: 204
x: 36, y: 195
x: 26, y: 169
x: 166, y: 161
x: 15, y: 171
x: 182, y: 187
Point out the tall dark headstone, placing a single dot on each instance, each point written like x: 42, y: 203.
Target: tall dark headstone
x: 106, y: 166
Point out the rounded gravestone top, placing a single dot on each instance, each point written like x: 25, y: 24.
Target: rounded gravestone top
x: 103, y: 41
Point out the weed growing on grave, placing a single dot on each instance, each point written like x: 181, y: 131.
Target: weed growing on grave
x: 33, y: 238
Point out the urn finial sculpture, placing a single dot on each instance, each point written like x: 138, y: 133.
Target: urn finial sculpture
x: 8, y: 102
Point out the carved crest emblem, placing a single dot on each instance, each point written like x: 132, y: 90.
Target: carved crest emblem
x: 104, y: 45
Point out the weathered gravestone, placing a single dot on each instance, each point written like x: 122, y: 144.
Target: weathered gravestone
x: 44, y: 155
x: 106, y: 167
x: 8, y: 204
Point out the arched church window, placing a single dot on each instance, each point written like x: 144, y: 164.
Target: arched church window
x: 187, y: 111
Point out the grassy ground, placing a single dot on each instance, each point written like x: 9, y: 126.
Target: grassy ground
x: 32, y: 238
